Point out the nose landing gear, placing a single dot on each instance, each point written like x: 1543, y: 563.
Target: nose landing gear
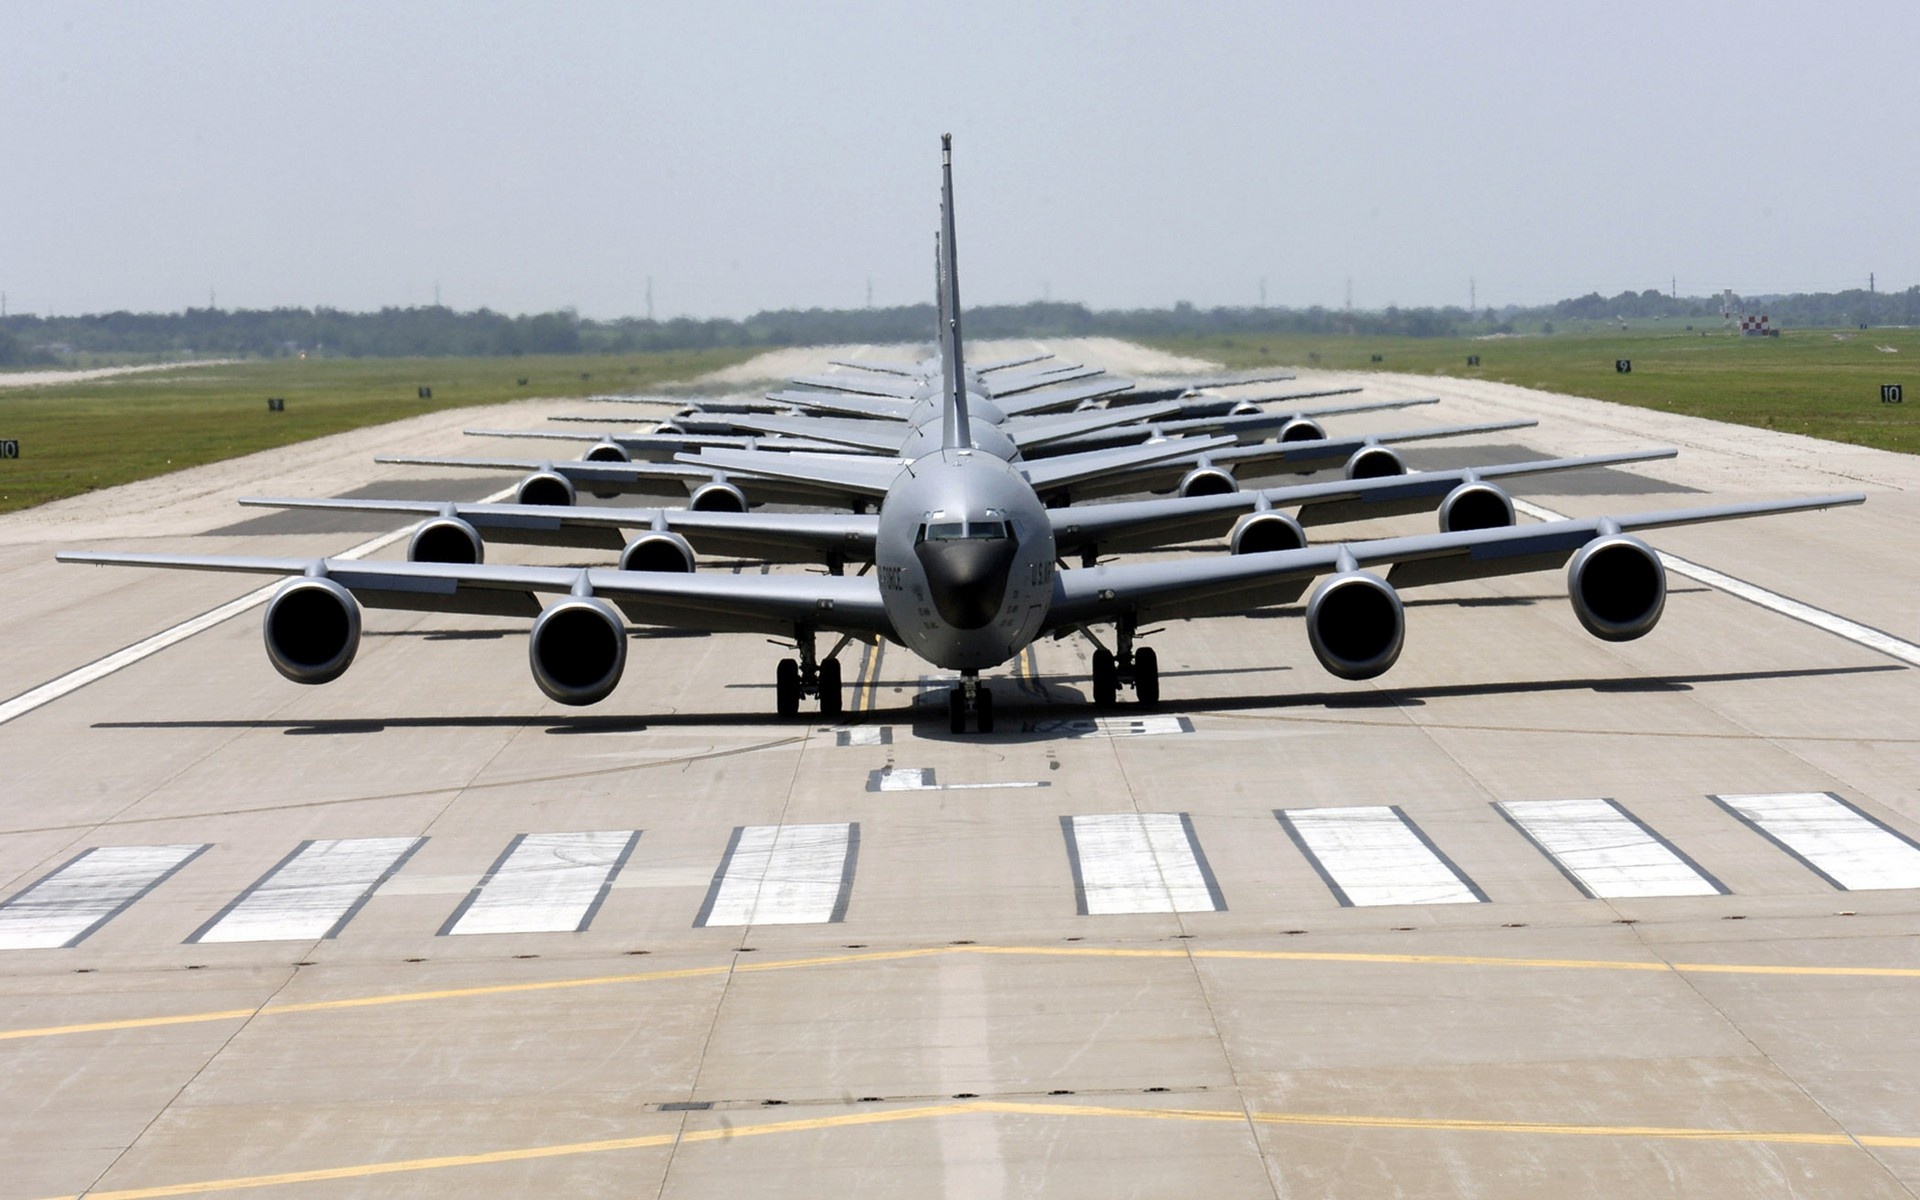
x: 969, y: 698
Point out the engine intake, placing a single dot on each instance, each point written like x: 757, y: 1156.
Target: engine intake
x: 446, y: 540
x: 1356, y: 625
x: 1475, y: 506
x: 578, y: 650
x: 1618, y: 587
x: 658, y: 551
x: 1374, y: 462
x: 718, y: 496
x: 1208, y: 481
x: 612, y: 452
x: 1300, y: 429
x: 545, y: 487
x: 1259, y: 533
x: 312, y: 630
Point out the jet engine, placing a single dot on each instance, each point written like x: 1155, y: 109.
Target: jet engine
x: 1475, y: 506
x: 312, y: 630
x: 1356, y: 625
x: 657, y: 551
x: 612, y: 452
x: 1244, y: 408
x: 1374, y: 462
x: 1259, y: 532
x: 446, y: 540
x: 545, y: 487
x: 578, y: 650
x: 718, y: 496
x: 1208, y: 480
x: 1618, y: 587
x: 669, y: 429
x: 1300, y: 429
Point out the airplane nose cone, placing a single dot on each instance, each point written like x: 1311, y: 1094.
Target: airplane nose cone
x: 968, y: 579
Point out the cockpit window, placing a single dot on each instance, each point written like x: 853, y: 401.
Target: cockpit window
x: 956, y: 531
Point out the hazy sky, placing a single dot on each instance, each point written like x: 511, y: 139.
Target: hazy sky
x: 526, y: 157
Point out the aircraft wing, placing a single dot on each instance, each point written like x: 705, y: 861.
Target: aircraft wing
x: 1014, y: 385
x: 1053, y: 399
x: 1175, y: 391
x: 658, y: 447
x: 1163, y: 591
x: 857, y: 474
x: 863, y: 385
x: 713, y: 602
x: 775, y: 537
x: 1032, y: 432
x: 1147, y: 524
x: 908, y: 370
x: 874, y: 407
x: 1009, y: 363
x: 1247, y: 427
x: 671, y: 479
x: 885, y: 437
x: 1071, y: 470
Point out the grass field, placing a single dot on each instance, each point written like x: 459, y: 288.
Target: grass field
x: 1825, y: 383
x: 76, y: 437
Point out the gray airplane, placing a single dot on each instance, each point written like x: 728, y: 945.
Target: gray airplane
x: 965, y: 577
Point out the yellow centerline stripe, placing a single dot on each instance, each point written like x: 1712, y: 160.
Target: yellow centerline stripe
x: 730, y: 1131
x: 829, y: 960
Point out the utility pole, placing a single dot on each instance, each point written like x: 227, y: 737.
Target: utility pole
x: 436, y: 293
x: 1473, y: 295
x: 649, y: 297
x: 1263, y: 291
x: 869, y: 291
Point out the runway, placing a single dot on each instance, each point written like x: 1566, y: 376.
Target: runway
x: 1530, y: 913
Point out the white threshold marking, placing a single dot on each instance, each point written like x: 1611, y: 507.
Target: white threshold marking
x: 545, y: 883
x: 1112, y: 727
x: 66, y: 905
x: 1862, y: 635
x: 1841, y: 844
x: 1139, y: 863
x: 862, y: 735
x: 100, y: 668
x: 921, y: 779
x: 783, y: 875
x: 1372, y: 854
x: 1605, y: 851
x: 312, y: 893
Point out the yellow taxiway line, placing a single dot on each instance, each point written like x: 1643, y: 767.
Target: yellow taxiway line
x: 732, y: 1131
x: 879, y: 956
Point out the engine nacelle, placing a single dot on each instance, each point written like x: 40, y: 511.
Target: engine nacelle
x: 1356, y: 625
x: 1261, y: 532
x: 1475, y: 506
x: 446, y: 540
x: 658, y: 551
x: 1618, y: 587
x: 612, y: 452
x: 312, y: 630
x: 1300, y: 429
x: 1208, y: 481
x: 1374, y: 462
x: 669, y: 429
x: 578, y: 650
x: 545, y: 487
x: 718, y: 496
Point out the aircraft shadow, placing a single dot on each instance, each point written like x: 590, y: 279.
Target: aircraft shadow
x: 1013, y: 709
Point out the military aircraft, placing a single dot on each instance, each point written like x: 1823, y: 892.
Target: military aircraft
x: 965, y: 577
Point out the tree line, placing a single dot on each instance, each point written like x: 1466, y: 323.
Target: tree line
x: 435, y: 331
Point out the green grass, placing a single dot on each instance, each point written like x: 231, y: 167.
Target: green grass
x: 1805, y: 381
x: 76, y: 437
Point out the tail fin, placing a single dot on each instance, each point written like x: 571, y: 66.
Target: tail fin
x: 955, y: 434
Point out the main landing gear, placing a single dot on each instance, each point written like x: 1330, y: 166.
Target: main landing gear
x: 794, y: 681
x: 970, y: 697
x: 1138, y: 669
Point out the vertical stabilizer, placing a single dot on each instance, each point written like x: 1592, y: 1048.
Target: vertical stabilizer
x: 955, y: 434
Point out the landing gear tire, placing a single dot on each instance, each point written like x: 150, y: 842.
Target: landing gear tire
x: 830, y: 701
x: 983, y: 709
x: 1146, y: 677
x: 956, y: 711
x: 1106, y: 679
x: 786, y: 688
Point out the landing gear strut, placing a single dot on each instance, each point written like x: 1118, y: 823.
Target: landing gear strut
x: 969, y: 696
x: 1139, y: 669
x: 809, y: 676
